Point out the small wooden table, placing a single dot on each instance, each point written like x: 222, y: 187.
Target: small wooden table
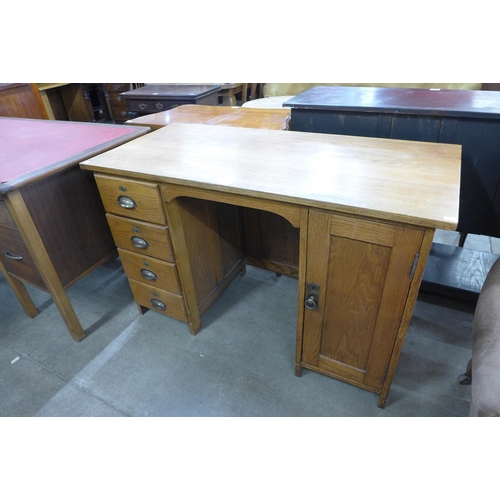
x: 53, y: 229
x: 155, y: 98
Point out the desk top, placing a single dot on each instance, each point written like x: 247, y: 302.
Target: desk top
x: 171, y: 91
x: 276, y: 119
x: 31, y: 149
x: 442, y: 102
x: 405, y: 181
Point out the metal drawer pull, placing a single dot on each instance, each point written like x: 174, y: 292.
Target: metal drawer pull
x: 148, y: 275
x: 13, y: 256
x: 311, y: 303
x: 126, y: 202
x: 158, y: 304
x: 143, y: 106
x: 139, y: 242
x: 312, y: 294
x: 159, y: 105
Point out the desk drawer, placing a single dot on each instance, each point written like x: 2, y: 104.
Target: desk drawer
x: 150, y: 271
x: 154, y: 106
x: 141, y: 237
x: 159, y: 300
x: 134, y: 199
x: 5, y: 217
x: 118, y: 87
x: 17, y: 258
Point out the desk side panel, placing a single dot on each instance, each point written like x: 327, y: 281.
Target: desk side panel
x: 208, y: 243
x: 69, y: 215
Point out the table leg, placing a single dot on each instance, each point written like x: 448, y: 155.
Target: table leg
x: 228, y: 99
x: 21, y: 293
x: 229, y: 95
x: 34, y: 243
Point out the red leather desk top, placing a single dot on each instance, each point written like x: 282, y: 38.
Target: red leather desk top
x: 30, y: 148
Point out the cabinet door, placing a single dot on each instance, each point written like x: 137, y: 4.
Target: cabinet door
x: 363, y: 270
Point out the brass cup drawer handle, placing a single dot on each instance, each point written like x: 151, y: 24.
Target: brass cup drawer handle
x: 158, y: 304
x: 139, y: 242
x: 148, y: 275
x: 13, y: 256
x: 126, y: 202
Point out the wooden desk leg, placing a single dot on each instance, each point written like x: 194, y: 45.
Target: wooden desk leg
x: 244, y: 93
x: 425, y: 249
x: 228, y: 98
x: 304, y: 218
x: 176, y: 228
x: 46, y: 103
x: 229, y: 95
x: 21, y: 293
x: 34, y: 243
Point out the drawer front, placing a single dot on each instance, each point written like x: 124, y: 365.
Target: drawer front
x: 117, y: 100
x: 141, y: 237
x: 17, y: 258
x: 121, y: 114
x: 133, y: 199
x: 5, y: 217
x: 151, y: 271
x: 118, y: 87
x: 152, y: 106
x: 159, y: 300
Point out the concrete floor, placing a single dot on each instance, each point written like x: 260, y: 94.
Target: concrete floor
x: 240, y: 364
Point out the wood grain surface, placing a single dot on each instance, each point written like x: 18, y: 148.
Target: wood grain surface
x: 403, y: 181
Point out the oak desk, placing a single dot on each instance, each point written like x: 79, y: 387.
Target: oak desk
x: 173, y: 200
x: 53, y: 229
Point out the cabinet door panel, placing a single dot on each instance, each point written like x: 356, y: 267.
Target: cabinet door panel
x: 363, y: 269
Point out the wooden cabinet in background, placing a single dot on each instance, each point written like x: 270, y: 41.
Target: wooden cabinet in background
x: 21, y: 100
x: 154, y: 98
x: 117, y: 104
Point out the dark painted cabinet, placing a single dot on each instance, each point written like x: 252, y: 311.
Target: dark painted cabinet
x: 467, y: 117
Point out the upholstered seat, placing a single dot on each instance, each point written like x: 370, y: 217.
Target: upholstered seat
x: 485, y: 384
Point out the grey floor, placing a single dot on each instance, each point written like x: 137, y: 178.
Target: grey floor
x: 240, y: 364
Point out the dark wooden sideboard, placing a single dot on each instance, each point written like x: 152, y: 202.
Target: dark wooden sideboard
x: 155, y: 98
x: 470, y: 118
